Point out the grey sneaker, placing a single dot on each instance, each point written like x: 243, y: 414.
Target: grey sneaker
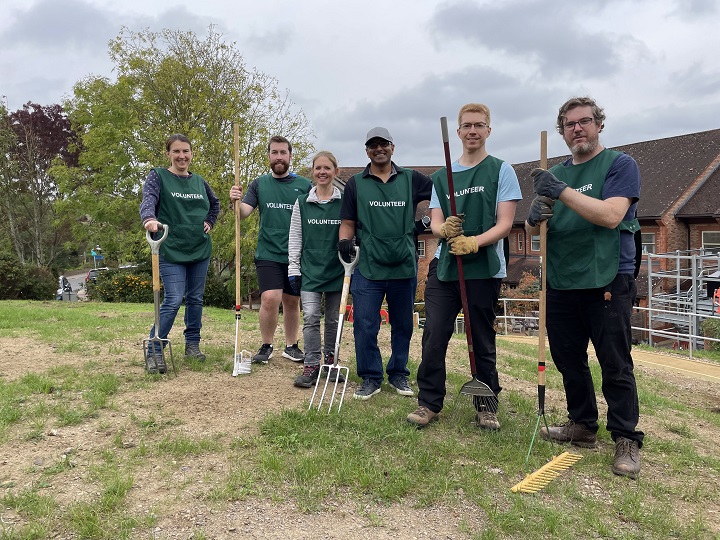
x: 264, y: 354
x: 155, y: 361
x: 308, y: 378
x: 576, y: 434
x: 334, y: 373
x: 401, y: 385
x: 367, y: 390
x: 627, y: 458
x: 294, y: 353
x: 192, y: 350
x: 422, y: 417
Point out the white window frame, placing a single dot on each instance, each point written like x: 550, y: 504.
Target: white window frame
x: 421, y: 248
x: 713, y: 241
x: 535, y: 242
x: 646, y: 242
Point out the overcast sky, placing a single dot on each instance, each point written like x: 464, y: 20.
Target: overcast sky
x: 402, y: 64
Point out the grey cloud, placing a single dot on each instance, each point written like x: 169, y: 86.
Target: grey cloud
x: 695, y: 81
x: 547, y: 33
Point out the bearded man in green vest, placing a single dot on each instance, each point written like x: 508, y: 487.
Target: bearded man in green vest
x: 378, y: 207
x: 274, y: 196
x: 590, y: 201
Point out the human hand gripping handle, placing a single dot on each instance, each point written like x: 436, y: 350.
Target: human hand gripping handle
x: 236, y: 193
x: 546, y: 184
x: 452, y: 226
x: 346, y: 248
x: 541, y: 209
x: 463, y: 245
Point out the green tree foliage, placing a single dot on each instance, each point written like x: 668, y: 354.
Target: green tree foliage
x: 31, y: 140
x: 169, y: 82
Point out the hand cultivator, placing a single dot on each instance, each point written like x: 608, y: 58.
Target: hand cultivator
x: 537, y: 480
x: 482, y: 394
x: 154, y: 347
x: 242, y: 364
x: 334, y: 371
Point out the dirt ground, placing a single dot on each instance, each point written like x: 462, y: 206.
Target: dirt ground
x: 205, y: 404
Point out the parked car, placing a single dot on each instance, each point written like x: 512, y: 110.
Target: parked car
x: 94, y: 273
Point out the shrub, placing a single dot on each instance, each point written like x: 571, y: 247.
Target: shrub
x: 711, y: 328
x: 121, y: 286
x: 217, y: 291
x: 19, y: 281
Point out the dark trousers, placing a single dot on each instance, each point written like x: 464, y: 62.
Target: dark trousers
x: 575, y: 317
x: 442, y: 305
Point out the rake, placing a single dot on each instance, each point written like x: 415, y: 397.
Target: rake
x: 537, y: 480
x: 155, y: 361
x: 242, y: 364
x: 483, y: 396
x: 334, y: 367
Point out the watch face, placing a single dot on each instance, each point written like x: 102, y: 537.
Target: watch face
x: 426, y: 221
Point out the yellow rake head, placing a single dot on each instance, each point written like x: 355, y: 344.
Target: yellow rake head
x: 534, y: 482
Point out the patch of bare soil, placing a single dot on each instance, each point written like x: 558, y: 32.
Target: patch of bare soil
x: 215, y: 406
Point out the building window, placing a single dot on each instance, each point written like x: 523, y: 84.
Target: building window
x: 648, y: 243
x: 711, y: 241
x: 535, y: 242
x: 520, y: 243
x: 421, y: 248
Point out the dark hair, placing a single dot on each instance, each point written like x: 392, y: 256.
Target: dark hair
x: 176, y: 137
x: 279, y: 139
x: 597, y: 111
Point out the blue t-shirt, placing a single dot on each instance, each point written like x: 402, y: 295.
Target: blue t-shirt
x: 508, y: 190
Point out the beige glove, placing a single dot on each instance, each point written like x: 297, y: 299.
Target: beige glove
x: 452, y: 227
x: 463, y: 245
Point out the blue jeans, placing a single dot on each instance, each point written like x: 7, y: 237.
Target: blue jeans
x: 367, y: 299
x: 311, y: 307
x: 182, y: 280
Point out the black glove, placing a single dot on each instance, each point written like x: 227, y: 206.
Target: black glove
x: 346, y: 248
x: 295, y: 284
x: 546, y: 184
x: 540, y: 210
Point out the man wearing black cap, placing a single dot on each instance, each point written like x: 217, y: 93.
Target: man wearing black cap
x: 379, y: 209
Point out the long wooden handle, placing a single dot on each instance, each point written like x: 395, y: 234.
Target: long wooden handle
x: 238, y: 297
x: 543, y: 289
x: 458, y: 258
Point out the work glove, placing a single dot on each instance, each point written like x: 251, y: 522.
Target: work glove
x: 463, y: 245
x: 295, y: 284
x: 546, y: 184
x: 346, y: 249
x: 540, y: 210
x: 452, y: 227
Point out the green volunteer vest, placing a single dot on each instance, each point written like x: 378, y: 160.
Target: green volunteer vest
x: 475, y: 196
x: 184, y: 205
x: 581, y: 255
x: 319, y: 264
x: 387, y: 216
x: 275, y: 203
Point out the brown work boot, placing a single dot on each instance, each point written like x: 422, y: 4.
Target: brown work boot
x: 487, y: 420
x: 422, y: 417
x: 576, y: 434
x: 627, y: 458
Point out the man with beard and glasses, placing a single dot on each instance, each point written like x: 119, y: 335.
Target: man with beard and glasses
x: 591, y: 270
x: 379, y: 207
x: 274, y: 195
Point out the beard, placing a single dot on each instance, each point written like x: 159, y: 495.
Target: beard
x: 584, y: 149
x: 280, y: 168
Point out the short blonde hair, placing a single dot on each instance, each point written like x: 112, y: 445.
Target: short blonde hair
x: 325, y: 153
x: 474, y: 108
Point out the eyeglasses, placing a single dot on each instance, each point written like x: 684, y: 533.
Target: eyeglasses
x: 374, y: 145
x: 477, y: 125
x: 570, y: 126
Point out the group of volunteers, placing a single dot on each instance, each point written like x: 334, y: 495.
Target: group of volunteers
x: 305, y: 225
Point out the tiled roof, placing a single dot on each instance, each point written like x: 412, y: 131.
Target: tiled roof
x: 705, y: 202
